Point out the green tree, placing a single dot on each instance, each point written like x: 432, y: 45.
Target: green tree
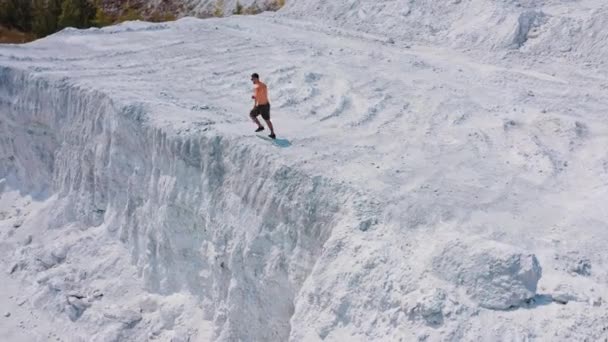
x: 238, y: 9
x: 6, y: 12
x: 130, y: 15
x: 101, y: 17
x: 45, y: 16
x: 16, y: 14
x: 76, y: 13
x: 71, y: 13
x: 252, y: 10
x: 219, y: 9
x: 158, y: 17
x: 277, y: 5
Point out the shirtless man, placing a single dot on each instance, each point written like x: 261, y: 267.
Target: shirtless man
x: 261, y: 105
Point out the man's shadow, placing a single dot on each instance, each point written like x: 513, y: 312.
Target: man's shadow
x: 283, y: 143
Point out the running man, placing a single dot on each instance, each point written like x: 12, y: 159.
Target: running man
x: 261, y: 106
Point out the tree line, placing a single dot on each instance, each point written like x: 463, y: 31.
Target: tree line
x: 44, y: 17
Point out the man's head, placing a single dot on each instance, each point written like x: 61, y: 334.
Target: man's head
x: 255, y: 78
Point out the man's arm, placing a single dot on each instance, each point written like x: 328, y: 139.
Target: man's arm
x: 254, y: 97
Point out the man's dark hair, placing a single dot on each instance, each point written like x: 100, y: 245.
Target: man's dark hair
x: 255, y: 75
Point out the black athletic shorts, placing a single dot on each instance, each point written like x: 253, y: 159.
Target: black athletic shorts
x: 263, y: 110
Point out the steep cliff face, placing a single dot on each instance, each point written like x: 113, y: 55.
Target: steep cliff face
x: 204, y: 215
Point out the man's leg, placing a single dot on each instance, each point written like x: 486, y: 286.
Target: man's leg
x: 265, y: 111
x: 270, y: 126
x: 254, y: 116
